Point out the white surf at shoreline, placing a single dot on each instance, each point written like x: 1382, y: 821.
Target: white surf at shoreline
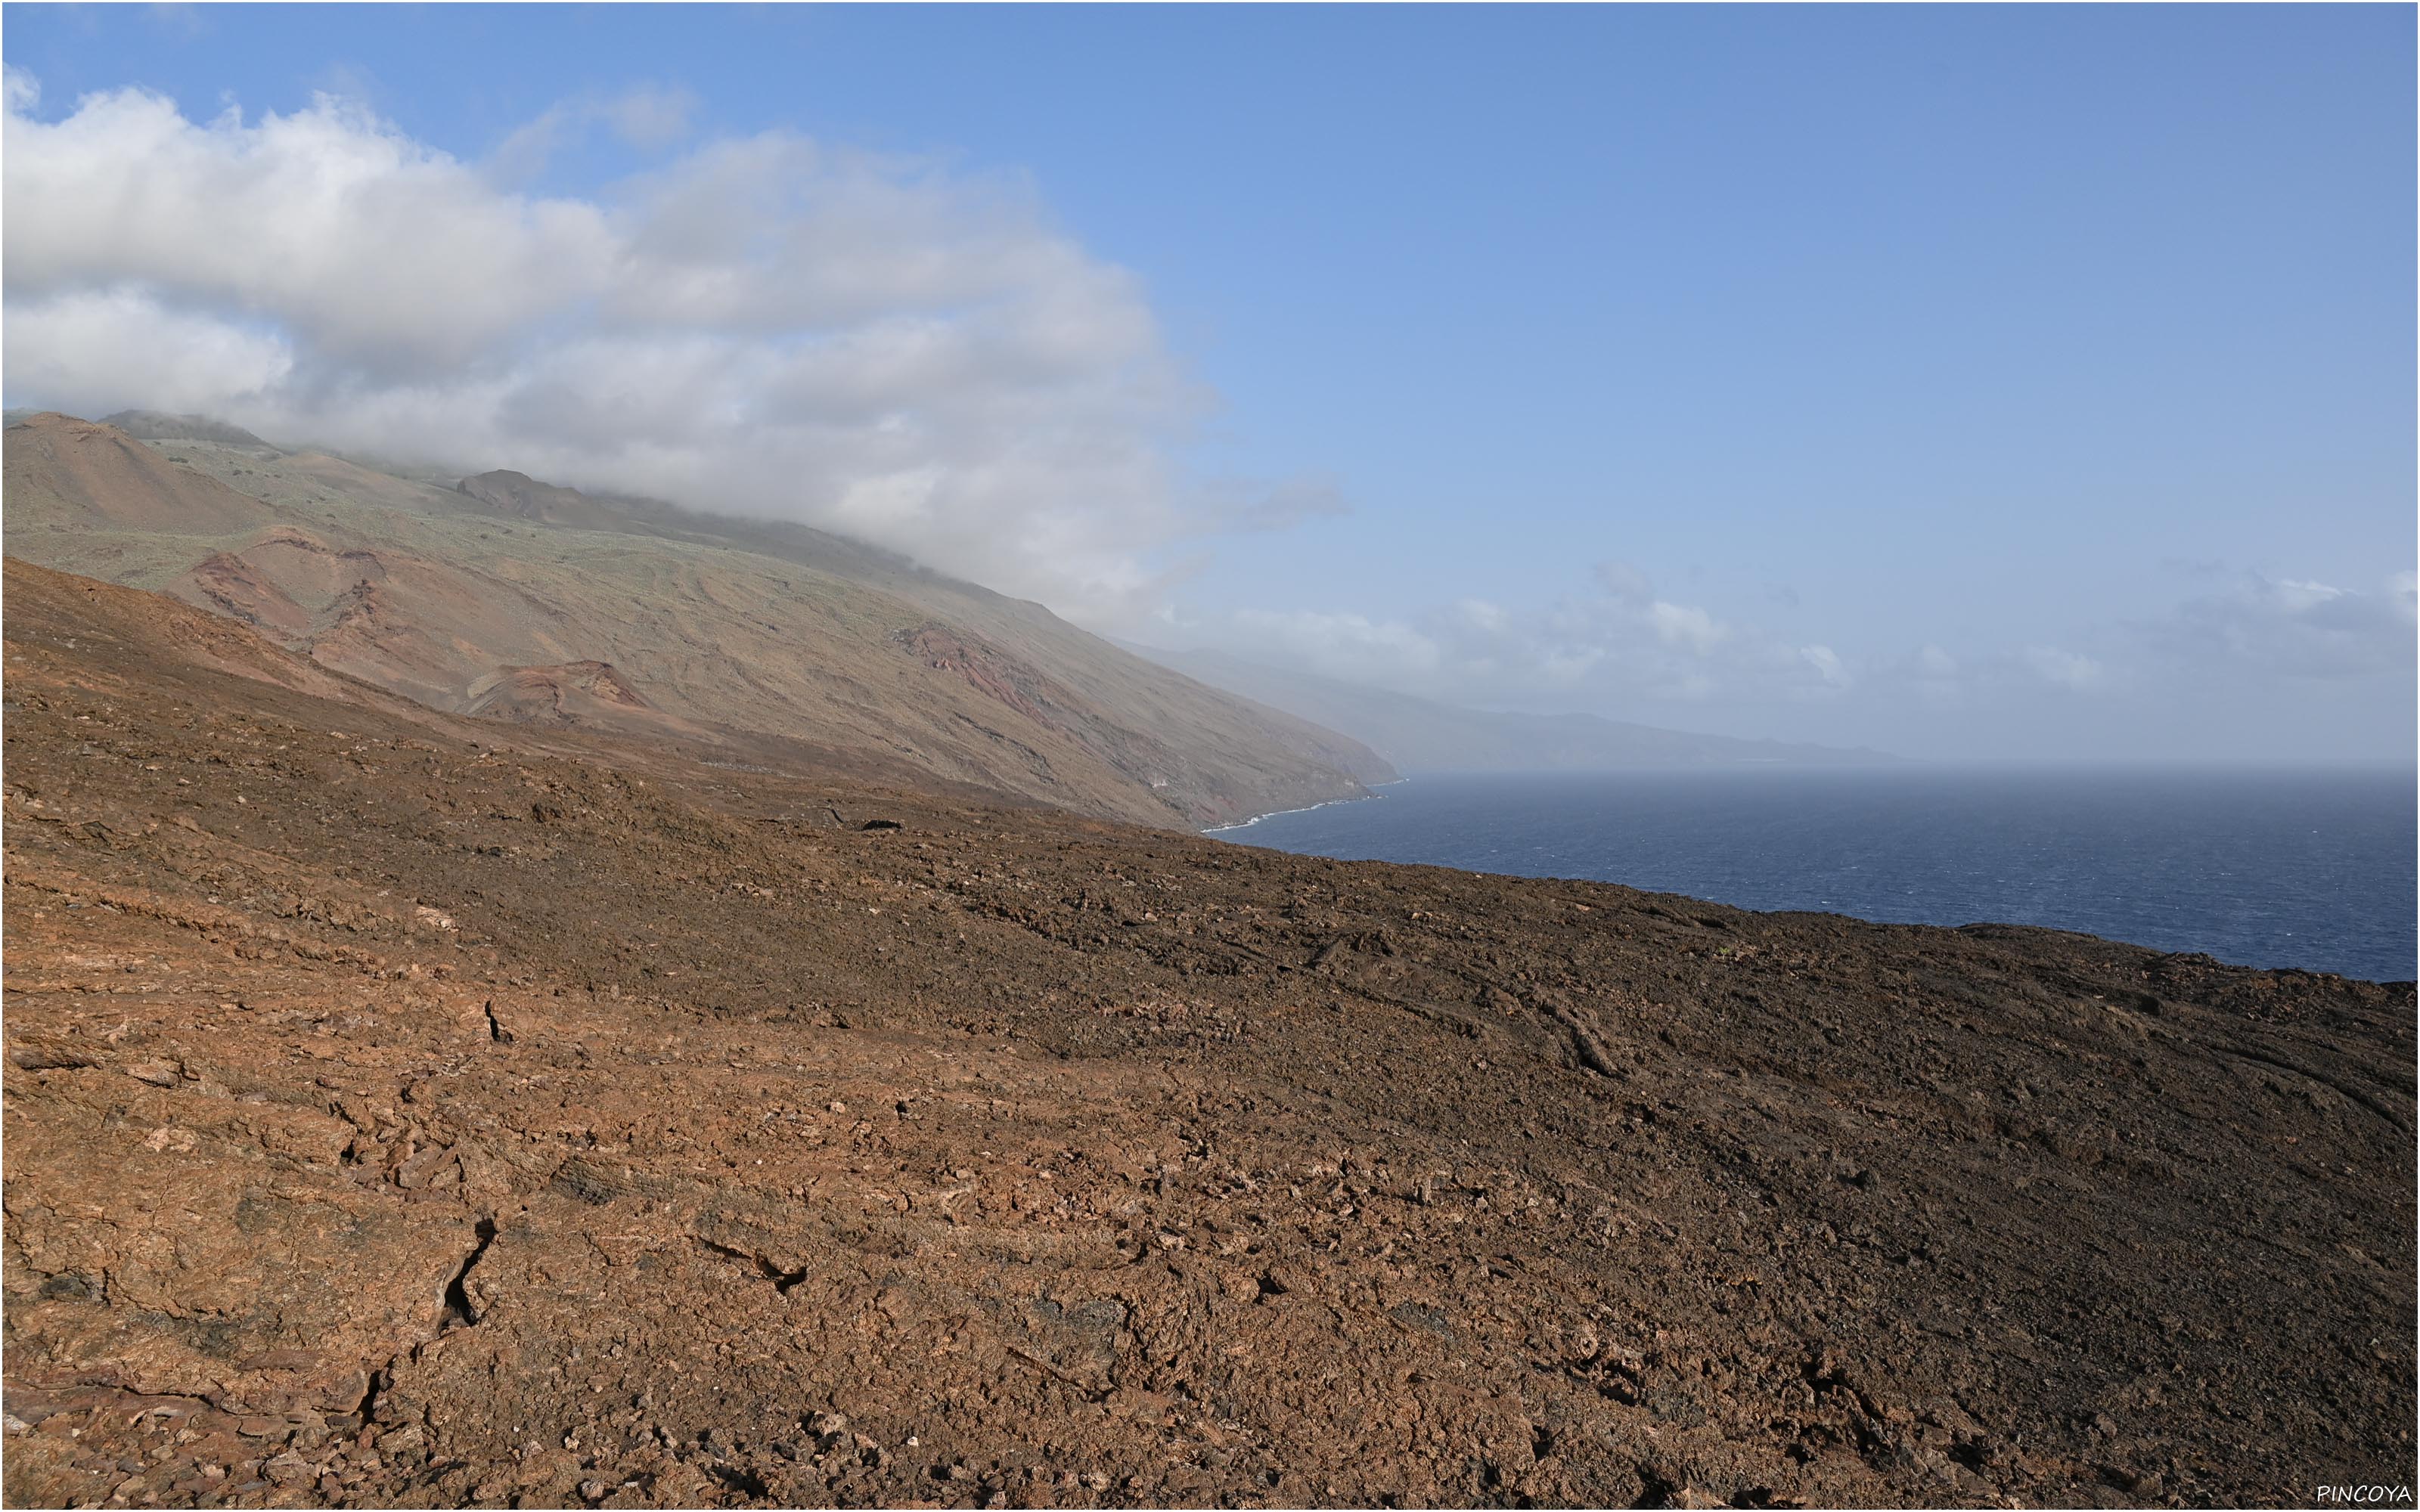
x: 1247, y: 823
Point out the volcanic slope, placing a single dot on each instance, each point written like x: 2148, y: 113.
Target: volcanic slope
x: 404, y: 1108
x: 763, y: 640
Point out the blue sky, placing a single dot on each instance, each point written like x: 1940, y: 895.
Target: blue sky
x: 1964, y: 380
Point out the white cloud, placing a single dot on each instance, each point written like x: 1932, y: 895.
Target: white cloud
x: 768, y: 325
x: 1932, y: 675
x: 2263, y: 646
x: 1482, y: 616
x: 1624, y: 581
x: 2300, y: 594
x: 1683, y: 624
x: 1223, y: 504
x: 1603, y: 650
x: 78, y: 349
x: 2067, y: 669
x: 1337, y: 645
x: 2286, y: 627
x: 368, y: 250
x: 1566, y: 667
x: 649, y: 117
x: 1826, y: 663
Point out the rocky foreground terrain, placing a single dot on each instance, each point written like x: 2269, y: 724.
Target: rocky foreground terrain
x: 406, y: 1108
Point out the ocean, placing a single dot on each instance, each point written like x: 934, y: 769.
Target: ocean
x: 2311, y: 868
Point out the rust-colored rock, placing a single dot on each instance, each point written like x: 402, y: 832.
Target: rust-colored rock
x: 722, y: 1152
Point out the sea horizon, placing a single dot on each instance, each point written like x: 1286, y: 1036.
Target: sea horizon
x: 2288, y: 866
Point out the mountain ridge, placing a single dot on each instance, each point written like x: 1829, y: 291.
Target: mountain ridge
x: 774, y: 638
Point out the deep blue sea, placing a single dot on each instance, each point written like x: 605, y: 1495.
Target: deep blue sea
x: 2310, y: 869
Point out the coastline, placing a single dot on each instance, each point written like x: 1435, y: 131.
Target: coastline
x: 1372, y: 792
x: 2286, y: 873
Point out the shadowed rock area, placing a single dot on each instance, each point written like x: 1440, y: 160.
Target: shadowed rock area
x: 408, y: 1109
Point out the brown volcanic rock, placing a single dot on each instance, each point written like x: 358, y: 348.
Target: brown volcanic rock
x: 154, y: 425
x: 584, y: 694
x: 235, y: 587
x: 421, y: 627
x: 557, y: 692
x: 247, y: 1293
x: 81, y: 475
x: 519, y: 496
x: 630, y: 1130
x: 988, y: 672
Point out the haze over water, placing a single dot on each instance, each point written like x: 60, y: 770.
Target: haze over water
x: 2310, y: 869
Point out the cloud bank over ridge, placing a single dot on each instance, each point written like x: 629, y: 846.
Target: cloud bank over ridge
x: 765, y: 325
x: 917, y: 355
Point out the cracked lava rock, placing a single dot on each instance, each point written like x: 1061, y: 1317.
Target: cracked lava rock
x: 405, y: 1109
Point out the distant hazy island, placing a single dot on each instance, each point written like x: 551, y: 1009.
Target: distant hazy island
x: 1417, y: 734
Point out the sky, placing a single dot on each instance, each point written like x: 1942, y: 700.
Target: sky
x: 1967, y: 382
